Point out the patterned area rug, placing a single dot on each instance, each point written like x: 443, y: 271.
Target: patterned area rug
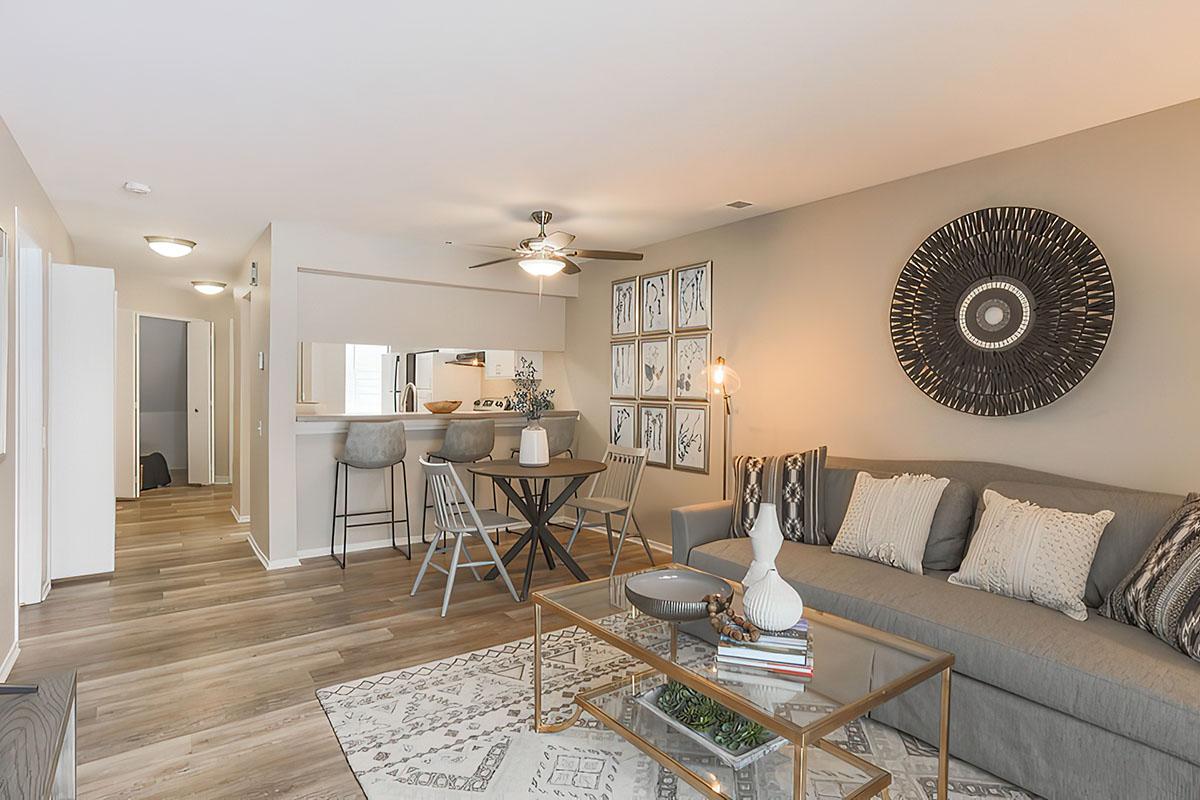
x: 460, y: 728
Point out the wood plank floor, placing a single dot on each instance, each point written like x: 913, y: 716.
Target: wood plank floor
x: 197, y: 668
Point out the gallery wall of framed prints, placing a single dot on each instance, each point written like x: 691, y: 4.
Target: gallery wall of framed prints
x: 661, y: 346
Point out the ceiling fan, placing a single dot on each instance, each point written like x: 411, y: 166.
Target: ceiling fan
x: 545, y: 255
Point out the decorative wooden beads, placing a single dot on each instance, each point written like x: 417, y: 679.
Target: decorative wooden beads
x: 724, y: 621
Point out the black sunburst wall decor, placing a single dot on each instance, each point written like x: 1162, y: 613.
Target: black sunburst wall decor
x: 1002, y: 311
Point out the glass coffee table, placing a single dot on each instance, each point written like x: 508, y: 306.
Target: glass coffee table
x: 855, y: 669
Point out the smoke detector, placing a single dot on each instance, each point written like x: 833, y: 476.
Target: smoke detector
x: 133, y: 187
x: 739, y: 204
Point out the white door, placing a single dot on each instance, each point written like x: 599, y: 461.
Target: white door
x: 82, y: 521
x: 30, y: 444
x: 200, y: 402
x: 125, y: 406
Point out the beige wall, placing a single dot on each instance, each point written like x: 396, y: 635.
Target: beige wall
x: 20, y: 196
x: 148, y: 296
x: 801, y: 307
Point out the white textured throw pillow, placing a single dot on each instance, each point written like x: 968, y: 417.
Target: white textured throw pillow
x: 888, y: 519
x: 1032, y: 553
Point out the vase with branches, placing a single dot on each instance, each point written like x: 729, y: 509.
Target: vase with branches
x: 531, y: 401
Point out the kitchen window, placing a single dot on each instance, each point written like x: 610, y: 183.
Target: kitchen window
x: 364, y: 378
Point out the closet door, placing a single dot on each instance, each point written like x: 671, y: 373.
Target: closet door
x: 200, y: 402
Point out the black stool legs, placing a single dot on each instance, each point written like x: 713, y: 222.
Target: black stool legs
x: 346, y: 514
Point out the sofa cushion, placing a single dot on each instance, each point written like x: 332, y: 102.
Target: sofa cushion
x: 793, y: 483
x: 1115, y: 676
x: 951, y: 522
x: 1138, y: 517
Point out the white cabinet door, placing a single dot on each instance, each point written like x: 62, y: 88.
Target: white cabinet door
x: 526, y: 358
x: 499, y: 363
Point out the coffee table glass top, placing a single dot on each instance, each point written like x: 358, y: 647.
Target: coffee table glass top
x: 855, y: 667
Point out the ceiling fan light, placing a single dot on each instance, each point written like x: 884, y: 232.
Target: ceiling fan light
x: 208, y: 287
x: 169, y: 246
x: 541, y: 265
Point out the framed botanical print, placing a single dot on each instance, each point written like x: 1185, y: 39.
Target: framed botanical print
x: 623, y: 379
x: 654, y: 369
x: 655, y: 306
x: 623, y: 313
x: 693, y: 297
x: 691, y: 367
x: 622, y: 424
x: 689, y: 438
x: 653, y: 433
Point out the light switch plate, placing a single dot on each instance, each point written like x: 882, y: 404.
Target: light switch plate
x: 262, y: 360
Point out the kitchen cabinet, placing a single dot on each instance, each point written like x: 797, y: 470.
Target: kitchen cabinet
x: 505, y: 363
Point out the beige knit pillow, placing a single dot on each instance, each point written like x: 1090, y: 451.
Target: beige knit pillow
x: 1032, y: 553
x: 888, y: 519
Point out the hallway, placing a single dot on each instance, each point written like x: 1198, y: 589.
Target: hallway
x: 197, y: 668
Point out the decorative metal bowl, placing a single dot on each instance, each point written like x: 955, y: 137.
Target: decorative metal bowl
x: 674, y: 595
x: 443, y: 406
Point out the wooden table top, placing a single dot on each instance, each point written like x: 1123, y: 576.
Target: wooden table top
x: 557, y: 468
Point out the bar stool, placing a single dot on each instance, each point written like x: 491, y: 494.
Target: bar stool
x: 560, y: 435
x: 467, y: 441
x: 371, y: 445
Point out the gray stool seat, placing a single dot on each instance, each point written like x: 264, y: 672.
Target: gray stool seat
x: 370, y: 445
x: 467, y: 441
x: 560, y: 435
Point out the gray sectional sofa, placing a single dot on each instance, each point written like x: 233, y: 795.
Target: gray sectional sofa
x: 1066, y: 709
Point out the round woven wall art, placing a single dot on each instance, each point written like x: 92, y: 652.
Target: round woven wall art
x: 1002, y: 311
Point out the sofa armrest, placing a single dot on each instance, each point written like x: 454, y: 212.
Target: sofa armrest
x: 692, y: 526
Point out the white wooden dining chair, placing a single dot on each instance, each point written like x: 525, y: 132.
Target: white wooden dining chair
x: 614, y: 491
x: 455, y: 517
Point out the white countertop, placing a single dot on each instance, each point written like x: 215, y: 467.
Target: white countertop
x: 414, y: 420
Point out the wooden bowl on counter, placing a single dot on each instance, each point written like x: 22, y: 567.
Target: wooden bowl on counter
x: 443, y: 406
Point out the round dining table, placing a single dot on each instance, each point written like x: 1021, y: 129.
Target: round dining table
x: 537, y: 508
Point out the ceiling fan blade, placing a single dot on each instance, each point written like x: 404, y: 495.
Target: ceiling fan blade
x: 496, y: 261
x: 608, y: 255
x: 571, y: 267
x: 559, y: 239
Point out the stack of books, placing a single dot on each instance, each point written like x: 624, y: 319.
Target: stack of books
x: 784, y: 652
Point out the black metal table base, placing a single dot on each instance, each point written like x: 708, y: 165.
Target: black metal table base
x: 538, y: 510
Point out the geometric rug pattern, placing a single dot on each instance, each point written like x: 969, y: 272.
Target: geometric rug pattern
x: 460, y: 727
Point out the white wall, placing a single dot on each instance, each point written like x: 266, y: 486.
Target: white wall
x: 164, y: 417
x: 20, y: 195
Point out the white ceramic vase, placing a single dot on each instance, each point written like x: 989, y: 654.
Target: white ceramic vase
x: 766, y: 538
x: 535, y: 449
x: 772, y: 604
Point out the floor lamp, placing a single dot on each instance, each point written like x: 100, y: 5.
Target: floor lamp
x: 727, y: 382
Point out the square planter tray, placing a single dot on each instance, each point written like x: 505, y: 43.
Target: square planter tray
x: 649, y: 699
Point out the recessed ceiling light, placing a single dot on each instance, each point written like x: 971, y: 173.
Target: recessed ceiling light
x: 208, y: 287
x: 739, y: 204
x: 136, y: 188
x: 169, y: 246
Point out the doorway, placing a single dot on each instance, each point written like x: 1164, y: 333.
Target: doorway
x: 174, y: 376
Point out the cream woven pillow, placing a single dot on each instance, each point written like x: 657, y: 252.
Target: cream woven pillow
x: 1032, y: 553
x: 888, y: 519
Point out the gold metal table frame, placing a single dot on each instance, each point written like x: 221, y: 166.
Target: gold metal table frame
x: 801, y: 737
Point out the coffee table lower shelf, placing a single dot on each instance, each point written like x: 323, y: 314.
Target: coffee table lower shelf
x: 615, y: 706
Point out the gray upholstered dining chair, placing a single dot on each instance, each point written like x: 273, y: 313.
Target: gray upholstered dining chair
x: 467, y: 441
x: 456, y: 517
x: 614, y: 491
x: 560, y: 436
x: 371, y: 445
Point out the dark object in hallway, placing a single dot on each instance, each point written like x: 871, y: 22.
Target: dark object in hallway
x: 1002, y: 311
x: 154, y: 472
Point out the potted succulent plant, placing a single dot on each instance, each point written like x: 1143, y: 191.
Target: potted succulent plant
x: 532, y: 402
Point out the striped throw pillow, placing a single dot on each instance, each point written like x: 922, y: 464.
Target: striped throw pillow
x: 888, y: 519
x: 792, y: 482
x: 1162, y: 593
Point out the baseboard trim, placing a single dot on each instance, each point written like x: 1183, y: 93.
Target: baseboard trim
x: 268, y: 564
x: 630, y: 534
x: 45, y: 590
x: 222, y: 480
x: 353, y: 547
x: 243, y: 519
x: 10, y: 660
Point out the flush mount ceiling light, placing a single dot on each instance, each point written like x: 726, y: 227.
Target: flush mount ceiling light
x: 208, y: 287
x: 169, y: 246
x: 542, y: 264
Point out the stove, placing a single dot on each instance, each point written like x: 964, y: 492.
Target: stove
x: 490, y: 404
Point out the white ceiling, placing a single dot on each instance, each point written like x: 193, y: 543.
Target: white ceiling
x: 634, y: 122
